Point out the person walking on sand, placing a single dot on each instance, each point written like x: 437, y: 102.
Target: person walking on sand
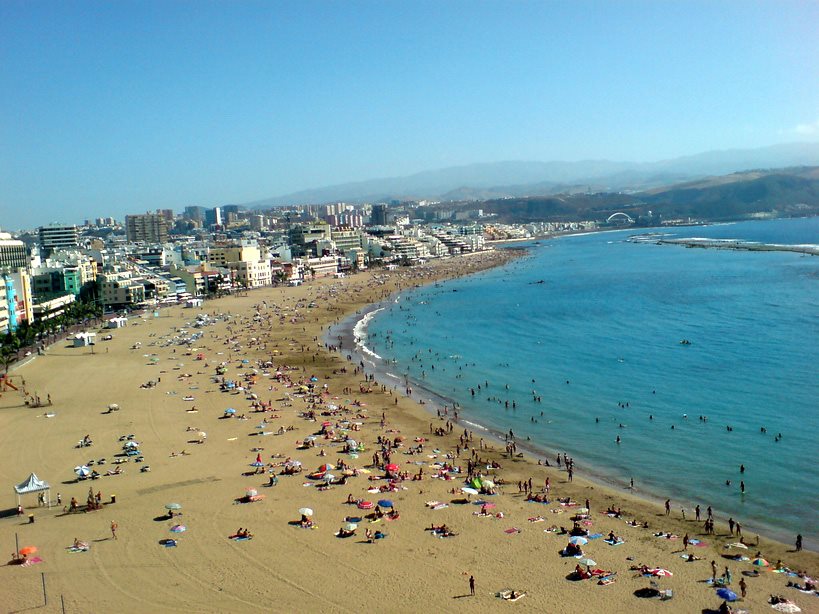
x: 743, y: 587
x: 713, y: 571
x: 799, y: 542
x: 472, y: 585
x: 685, y: 542
x: 667, y: 507
x: 114, y: 527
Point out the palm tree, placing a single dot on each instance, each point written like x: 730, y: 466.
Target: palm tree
x: 7, y: 357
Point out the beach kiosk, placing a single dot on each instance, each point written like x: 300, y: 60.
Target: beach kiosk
x: 117, y: 322
x: 82, y: 340
x: 33, y: 484
x: 193, y: 303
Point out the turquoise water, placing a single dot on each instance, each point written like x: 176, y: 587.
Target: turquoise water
x: 607, y: 316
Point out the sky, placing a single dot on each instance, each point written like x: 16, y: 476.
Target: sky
x: 108, y: 108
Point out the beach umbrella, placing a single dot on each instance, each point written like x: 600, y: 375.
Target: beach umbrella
x: 257, y: 464
x: 350, y: 526
x: 305, y: 511
x: 178, y: 528
x: 583, y: 510
x: 392, y: 467
x: 577, y: 540
x: 586, y: 561
x: 230, y: 410
x: 469, y: 490
x: 130, y: 444
x: 82, y: 471
x: 727, y: 594
x: 328, y: 477
x: 28, y: 550
x: 385, y: 503
x: 661, y: 573
x: 173, y: 506
x: 365, y: 505
x: 325, y: 467
x: 293, y: 463
x: 786, y: 607
x: 245, y: 361
x: 113, y: 407
x: 326, y: 424
x: 488, y: 484
x: 760, y: 562
x: 252, y: 492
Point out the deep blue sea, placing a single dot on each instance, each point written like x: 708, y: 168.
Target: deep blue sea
x: 591, y: 323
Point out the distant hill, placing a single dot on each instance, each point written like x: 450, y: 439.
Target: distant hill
x: 778, y: 192
x: 520, y: 179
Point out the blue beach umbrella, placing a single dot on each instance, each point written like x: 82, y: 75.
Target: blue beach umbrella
x: 727, y: 594
x: 385, y: 503
x: 256, y: 464
x: 230, y: 410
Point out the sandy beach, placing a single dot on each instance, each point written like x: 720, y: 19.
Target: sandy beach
x: 271, y: 344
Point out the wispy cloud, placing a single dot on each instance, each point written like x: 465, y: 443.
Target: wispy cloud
x: 807, y: 129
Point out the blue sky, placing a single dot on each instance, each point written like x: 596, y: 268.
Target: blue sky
x: 109, y: 108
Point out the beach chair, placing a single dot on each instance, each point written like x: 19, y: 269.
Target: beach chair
x: 666, y: 594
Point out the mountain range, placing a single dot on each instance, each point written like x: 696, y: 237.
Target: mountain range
x: 510, y: 179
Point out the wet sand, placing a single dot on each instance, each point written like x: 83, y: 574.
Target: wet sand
x: 287, y: 568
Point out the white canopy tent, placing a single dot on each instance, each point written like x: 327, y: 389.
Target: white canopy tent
x: 33, y: 484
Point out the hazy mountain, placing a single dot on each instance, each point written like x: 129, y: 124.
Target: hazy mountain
x: 515, y: 179
x: 779, y: 192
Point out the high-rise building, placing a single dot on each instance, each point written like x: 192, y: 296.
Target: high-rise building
x: 168, y: 214
x: 378, y: 217
x: 13, y: 253
x: 213, y: 217
x: 58, y: 236
x: 147, y: 227
x: 197, y: 214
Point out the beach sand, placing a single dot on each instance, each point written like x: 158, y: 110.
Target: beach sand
x: 286, y: 568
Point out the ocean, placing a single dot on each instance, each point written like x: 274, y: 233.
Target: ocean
x: 578, y: 343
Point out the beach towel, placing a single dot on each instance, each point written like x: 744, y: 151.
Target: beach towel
x: 236, y: 538
x: 440, y: 506
x: 80, y: 549
x: 511, y: 530
x: 606, y: 581
x: 611, y: 543
x: 507, y: 595
x: 537, y: 519
x: 595, y: 536
x: 32, y: 561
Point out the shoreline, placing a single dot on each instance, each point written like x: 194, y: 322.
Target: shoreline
x: 285, y: 568
x: 434, y: 400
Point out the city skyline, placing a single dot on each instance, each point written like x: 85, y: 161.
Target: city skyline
x: 127, y: 108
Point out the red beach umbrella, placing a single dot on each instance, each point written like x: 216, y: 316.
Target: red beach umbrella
x: 392, y: 467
